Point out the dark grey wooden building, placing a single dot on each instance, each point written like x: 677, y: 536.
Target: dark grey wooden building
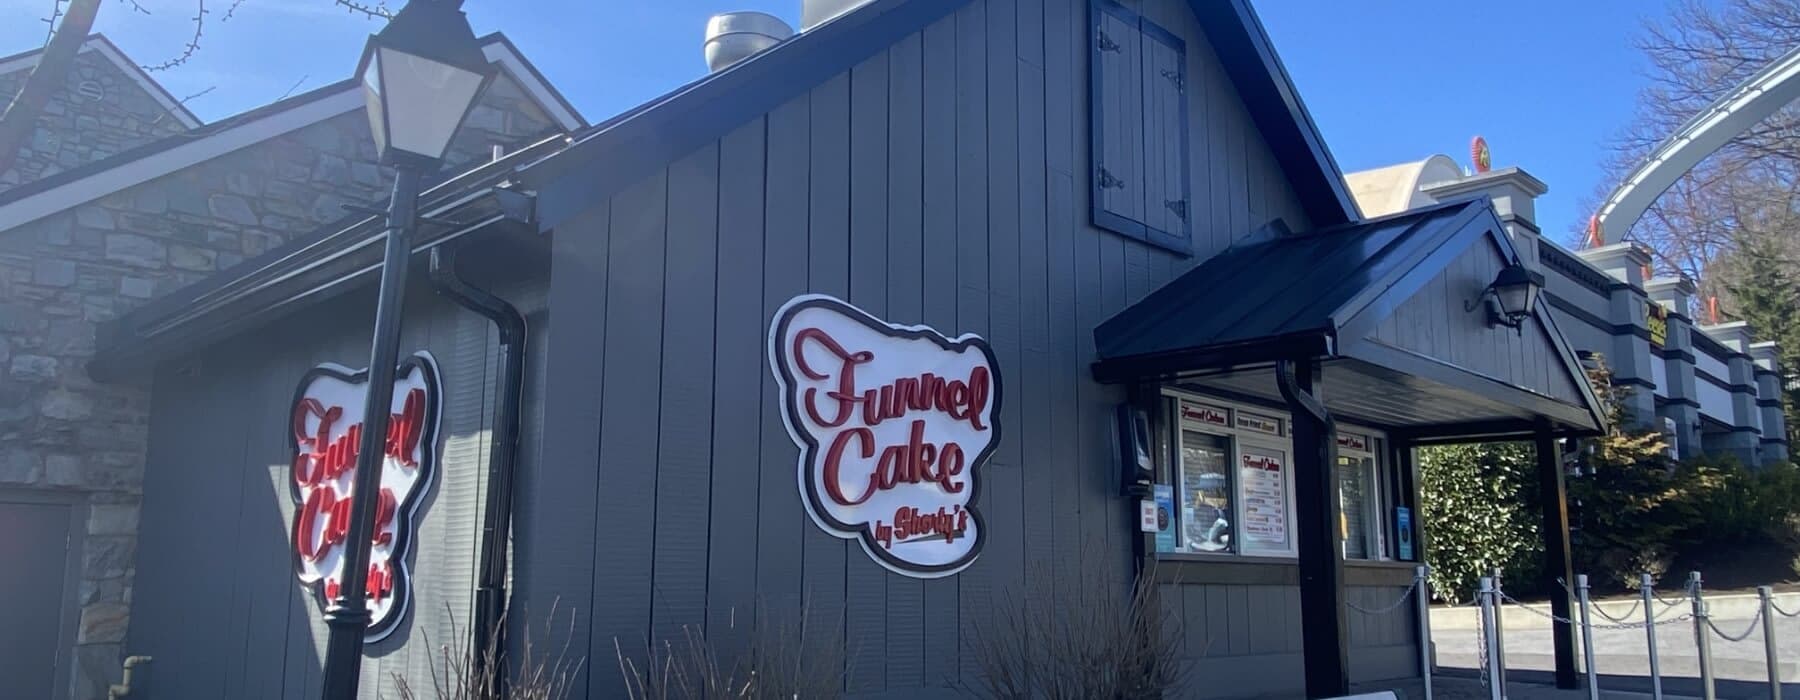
x: 1108, y: 223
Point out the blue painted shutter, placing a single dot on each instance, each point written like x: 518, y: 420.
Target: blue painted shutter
x: 1118, y: 108
x: 1138, y: 87
x: 1166, y: 205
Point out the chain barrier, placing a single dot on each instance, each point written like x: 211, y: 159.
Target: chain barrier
x: 1623, y: 622
x: 1783, y: 613
x: 1414, y: 586
x: 1740, y: 637
x: 1599, y: 608
x: 1551, y: 616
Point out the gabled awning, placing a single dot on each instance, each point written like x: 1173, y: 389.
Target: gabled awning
x: 1383, y: 304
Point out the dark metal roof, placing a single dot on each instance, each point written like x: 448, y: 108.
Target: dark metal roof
x: 1290, y: 286
x: 1321, y: 295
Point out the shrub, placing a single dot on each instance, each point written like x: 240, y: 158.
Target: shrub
x: 1090, y: 639
x: 779, y: 662
x: 535, y: 676
x: 1475, y: 503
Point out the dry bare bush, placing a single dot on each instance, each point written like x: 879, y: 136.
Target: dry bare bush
x: 1087, y: 640
x: 783, y: 659
x: 455, y: 675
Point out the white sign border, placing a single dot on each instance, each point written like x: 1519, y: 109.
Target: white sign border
x: 803, y: 475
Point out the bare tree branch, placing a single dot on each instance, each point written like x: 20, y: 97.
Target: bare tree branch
x: 192, y: 46
x: 378, y: 10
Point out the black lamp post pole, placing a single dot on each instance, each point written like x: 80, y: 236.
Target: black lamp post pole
x: 348, y: 615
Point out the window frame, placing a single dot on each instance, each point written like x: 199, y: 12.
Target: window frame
x: 1376, y: 509
x: 1378, y: 504
x: 1237, y: 439
x: 1178, y: 242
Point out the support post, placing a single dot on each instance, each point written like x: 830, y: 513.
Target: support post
x: 347, y: 617
x: 1647, y: 588
x: 1587, y: 639
x: 1490, y: 614
x: 1558, y: 567
x: 1324, y: 631
x: 1422, y: 597
x: 1702, y: 636
x: 1769, y: 647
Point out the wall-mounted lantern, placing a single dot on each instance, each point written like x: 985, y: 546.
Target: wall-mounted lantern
x: 1511, y: 297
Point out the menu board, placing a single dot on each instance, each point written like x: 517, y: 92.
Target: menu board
x: 1264, y: 477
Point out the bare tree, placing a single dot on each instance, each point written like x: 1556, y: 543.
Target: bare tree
x: 1749, y: 187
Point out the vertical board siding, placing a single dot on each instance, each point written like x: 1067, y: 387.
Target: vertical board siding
x: 1468, y: 340
x: 221, y: 439
x: 866, y: 582
x: 903, y: 646
x: 625, y: 511
x: 737, y: 392
x: 783, y: 521
x: 975, y: 586
x: 941, y: 605
x: 685, y: 457
x: 828, y: 271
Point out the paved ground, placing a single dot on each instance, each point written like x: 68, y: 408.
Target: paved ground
x: 1624, y: 652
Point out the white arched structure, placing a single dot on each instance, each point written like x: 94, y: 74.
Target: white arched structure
x: 1733, y: 113
x: 1397, y: 188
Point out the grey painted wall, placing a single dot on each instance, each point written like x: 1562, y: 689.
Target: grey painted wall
x: 217, y: 602
x: 1470, y: 341
x: 942, y: 181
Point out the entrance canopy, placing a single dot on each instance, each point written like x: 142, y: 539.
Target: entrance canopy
x: 1392, y: 308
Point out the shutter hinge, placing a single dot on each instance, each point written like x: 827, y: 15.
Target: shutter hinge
x: 1106, y: 43
x: 1177, y: 78
x: 1107, y: 181
x: 1179, y: 206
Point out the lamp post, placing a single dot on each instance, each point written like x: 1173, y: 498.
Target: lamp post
x: 421, y: 74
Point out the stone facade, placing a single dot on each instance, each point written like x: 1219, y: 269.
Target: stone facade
x: 63, y: 274
x: 100, y: 112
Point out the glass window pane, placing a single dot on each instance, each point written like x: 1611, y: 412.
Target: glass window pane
x: 1205, y: 493
x: 1356, y: 494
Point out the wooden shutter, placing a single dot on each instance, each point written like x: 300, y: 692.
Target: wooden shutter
x: 1117, y: 87
x: 1167, y: 209
x: 1138, y: 102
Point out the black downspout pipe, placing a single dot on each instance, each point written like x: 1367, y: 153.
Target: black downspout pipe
x: 489, y: 635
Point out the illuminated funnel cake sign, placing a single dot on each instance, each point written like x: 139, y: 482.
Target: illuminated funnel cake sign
x: 327, y: 425
x: 893, y: 423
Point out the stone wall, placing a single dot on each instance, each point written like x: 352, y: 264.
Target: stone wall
x: 99, y: 112
x: 61, y: 275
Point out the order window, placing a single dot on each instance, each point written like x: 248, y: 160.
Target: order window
x: 1233, y: 481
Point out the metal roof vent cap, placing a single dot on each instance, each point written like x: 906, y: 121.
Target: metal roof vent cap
x: 735, y: 36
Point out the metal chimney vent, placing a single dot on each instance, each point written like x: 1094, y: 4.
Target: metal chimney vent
x: 735, y: 36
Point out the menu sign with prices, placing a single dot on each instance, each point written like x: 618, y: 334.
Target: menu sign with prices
x: 1264, y: 478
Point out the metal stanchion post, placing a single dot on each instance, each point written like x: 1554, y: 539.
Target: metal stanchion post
x: 1499, y: 651
x: 1702, y: 640
x: 1587, y: 638
x: 1648, y: 588
x: 1423, y: 594
x: 1768, y: 623
x: 1490, y: 637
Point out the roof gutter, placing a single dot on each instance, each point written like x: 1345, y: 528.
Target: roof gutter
x: 1304, y: 345
x: 307, y: 271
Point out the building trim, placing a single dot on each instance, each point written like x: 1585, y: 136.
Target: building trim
x: 1578, y: 270
x: 173, y: 154
x: 98, y: 43
x: 1680, y: 401
x: 500, y: 50
x: 1633, y: 381
x: 1580, y: 314
x: 1774, y: 441
x: 1768, y: 403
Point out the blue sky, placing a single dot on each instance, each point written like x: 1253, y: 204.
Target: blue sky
x: 1546, y: 82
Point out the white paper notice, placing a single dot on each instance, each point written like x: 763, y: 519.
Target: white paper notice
x: 1264, y: 475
